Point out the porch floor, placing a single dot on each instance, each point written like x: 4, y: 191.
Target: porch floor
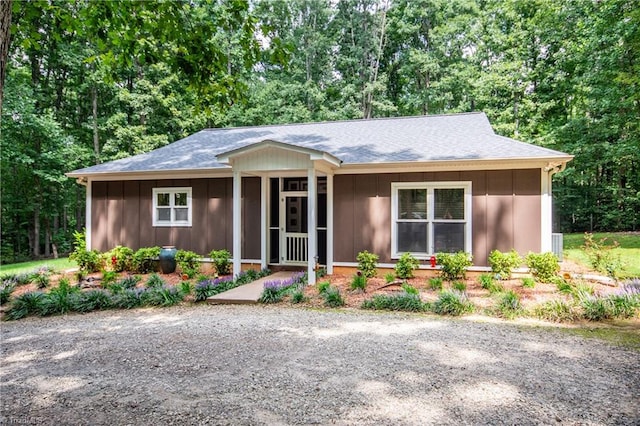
x: 247, y: 293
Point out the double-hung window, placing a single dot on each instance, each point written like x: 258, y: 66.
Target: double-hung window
x: 430, y: 217
x: 171, y: 206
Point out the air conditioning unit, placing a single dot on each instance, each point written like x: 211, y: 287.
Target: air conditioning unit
x: 556, y: 245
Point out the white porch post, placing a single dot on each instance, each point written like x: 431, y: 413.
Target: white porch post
x: 546, y: 227
x: 237, y: 222
x: 87, y: 224
x: 312, y: 249
x: 329, y: 224
x: 264, y: 220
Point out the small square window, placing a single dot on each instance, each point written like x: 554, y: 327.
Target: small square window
x: 172, y: 207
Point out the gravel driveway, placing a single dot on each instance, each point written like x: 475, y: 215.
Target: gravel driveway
x: 263, y: 365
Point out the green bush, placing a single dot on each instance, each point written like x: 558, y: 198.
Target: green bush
x: 120, y: 258
x: 459, y: 285
x: 409, y: 289
x: 108, y: 278
x: 503, y: 263
x: 154, y: 281
x: 221, y: 261
x: 332, y: 298
x: 145, y: 260
x: 528, y: 282
x: 189, y: 262
x: 58, y: 300
x: 556, y: 311
x: 30, y: 303
x: 543, y: 266
x: 452, y: 302
x: 359, y: 282
x: 435, y: 283
x: 88, y: 260
x: 389, y: 277
x: 406, y: 265
x: 367, y: 264
x: 323, y: 286
x: 489, y: 283
x: 91, y: 300
x: 396, y: 302
x: 509, y: 304
x: 298, y: 297
x: 454, y: 265
x: 161, y: 296
x: 601, y: 256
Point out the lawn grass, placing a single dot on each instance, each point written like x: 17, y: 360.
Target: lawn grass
x: 60, y: 264
x: 628, y: 251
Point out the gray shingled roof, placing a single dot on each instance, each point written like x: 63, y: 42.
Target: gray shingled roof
x: 388, y: 140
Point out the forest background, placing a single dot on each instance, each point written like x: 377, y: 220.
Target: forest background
x: 87, y: 81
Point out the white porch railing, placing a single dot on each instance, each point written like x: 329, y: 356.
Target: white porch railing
x: 296, y: 247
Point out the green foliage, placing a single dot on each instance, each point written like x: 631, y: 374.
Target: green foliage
x: 409, y: 289
x: 389, y: 277
x: 406, y: 265
x: 503, y: 263
x: 30, y: 303
x: 6, y: 288
x: 459, y: 285
x: 454, y: 265
x: 543, y: 266
x: 129, y: 281
x: 127, y: 299
x: 91, y: 300
x: 145, y: 260
x: 395, y: 302
x: 557, y: 311
x: 59, y: 300
x: 359, y: 282
x: 323, y: 286
x: 88, y: 260
x: 452, y: 302
x: 332, y: 297
x: 528, y: 282
x: 367, y: 264
x: 154, y: 281
x: 298, y: 297
x: 189, y: 262
x: 221, y: 261
x: 509, y: 304
x: 161, y: 296
x: 185, y: 288
x: 120, y: 258
x: 41, y: 279
x: 601, y: 255
x: 108, y: 278
x: 489, y: 283
x: 435, y: 283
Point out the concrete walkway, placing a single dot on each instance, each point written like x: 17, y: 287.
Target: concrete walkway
x: 247, y: 293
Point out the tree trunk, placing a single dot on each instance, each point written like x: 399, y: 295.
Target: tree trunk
x: 36, y: 231
x: 5, y: 39
x: 96, y: 140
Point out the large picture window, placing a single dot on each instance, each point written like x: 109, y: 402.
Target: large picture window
x: 171, y: 206
x: 430, y: 217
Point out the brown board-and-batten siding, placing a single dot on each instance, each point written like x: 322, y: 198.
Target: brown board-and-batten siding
x: 506, y: 211
x: 121, y: 214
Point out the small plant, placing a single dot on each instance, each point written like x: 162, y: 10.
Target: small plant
x: 503, y: 263
x: 509, y: 304
x: 208, y: 288
x: 435, y: 283
x: 221, y: 261
x: 154, y: 281
x: 544, y: 266
x: 597, y: 308
x: 452, y: 302
x: 88, y: 260
x: 129, y: 281
x: 145, y: 260
x: 389, y: 277
x: 406, y: 265
x: 323, y: 286
x: 396, y: 302
x: 92, y: 300
x: 189, y: 262
x: 108, y: 278
x: 409, y: 289
x: 120, y: 258
x: 556, y: 311
x: 454, y: 265
x: 272, y: 292
x: 30, y: 303
x: 333, y: 298
x: 128, y: 298
x: 601, y: 255
x: 58, y: 300
x: 528, y: 282
x: 42, y: 278
x: 298, y: 297
x: 459, y: 285
x: 6, y: 288
x: 359, y: 282
x: 489, y: 283
x: 562, y: 285
x: 367, y: 263
x: 167, y: 295
x: 185, y: 288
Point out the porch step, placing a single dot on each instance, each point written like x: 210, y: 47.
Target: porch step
x: 247, y: 293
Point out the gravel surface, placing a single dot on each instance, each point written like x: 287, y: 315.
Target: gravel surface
x: 263, y: 365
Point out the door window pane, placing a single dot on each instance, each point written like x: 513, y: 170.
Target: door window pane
x: 448, y: 237
x: 412, y: 204
x: 412, y: 237
x: 449, y: 203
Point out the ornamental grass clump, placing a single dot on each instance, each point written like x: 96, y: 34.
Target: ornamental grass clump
x: 92, y: 300
x: 166, y: 295
x: 359, y: 281
x: 30, y: 303
x: 435, y: 283
x: 452, y: 302
x: 557, y: 311
x: 396, y: 302
x: 59, y: 299
x: 489, y: 283
x: 211, y: 287
x: 275, y: 290
x: 509, y: 305
x: 333, y: 298
x: 128, y: 298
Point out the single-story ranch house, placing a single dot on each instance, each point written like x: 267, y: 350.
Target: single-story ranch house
x: 299, y: 194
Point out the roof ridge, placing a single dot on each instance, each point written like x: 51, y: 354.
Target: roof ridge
x: 352, y: 120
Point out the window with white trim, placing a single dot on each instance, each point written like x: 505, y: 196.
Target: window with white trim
x: 430, y: 217
x: 171, y: 206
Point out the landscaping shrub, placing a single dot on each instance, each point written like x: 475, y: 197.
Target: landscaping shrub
x: 88, y: 260
x: 166, y: 295
x: 211, y: 287
x: 221, y: 261
x: 332, y: 297
x: 406, y: 265
x: 30, y: 303
x: 459, y: 285
x: 367, y: 264
x: 556, y: 311
x: 6, y: 288
x: 489, y: 283
x: 58, y: 300
x: 395, y: 302
x: 154, y: 281
x: 145, y: 260
x: 435, y: 283
x: 323, y: 286
x: 452, y: 302
x: 298, y: 297
x: 528, y: 282
x: 408, y: 288
x: 108, y: 278
x: 91, y: 300
x: 120, y: 258
x: 503, y: 263
x: 509, y: 304
x: 188, y: 262
x: 359, y: 282
x: 389, y: 277
x: 454, y: 265
x: 128, y: 298
x: 601, y: 256
x: 543, y: 266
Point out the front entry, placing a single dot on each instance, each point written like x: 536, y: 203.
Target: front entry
x: 288, y: 231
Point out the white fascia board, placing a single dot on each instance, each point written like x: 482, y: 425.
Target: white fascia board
x: 154, y: 175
